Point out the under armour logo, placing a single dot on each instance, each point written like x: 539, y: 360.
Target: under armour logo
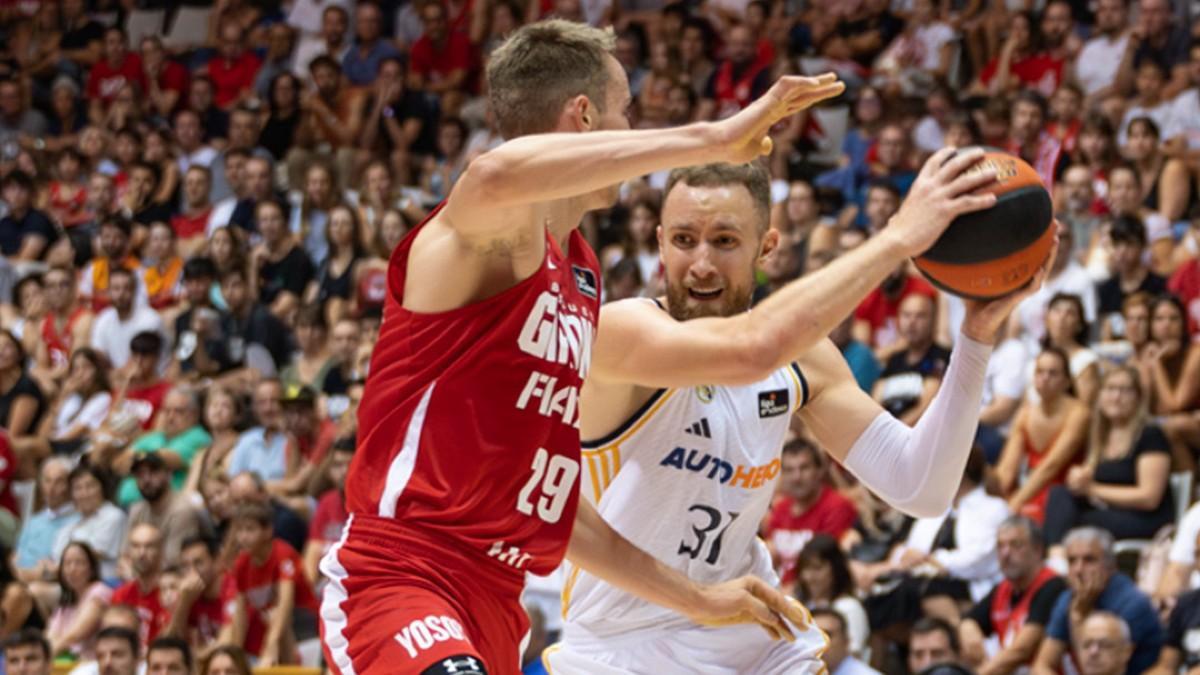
x: 467, y: 664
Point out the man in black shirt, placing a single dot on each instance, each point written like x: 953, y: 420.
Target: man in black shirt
x: 257, y: 340
x: 202, y: 332
x: 1018, y: 608
x: 25, y: 232
x: 912, y: 375
x: 1130, y: 274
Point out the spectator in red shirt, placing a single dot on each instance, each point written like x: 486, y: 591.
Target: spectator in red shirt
x: 325, y: 528
x: 875, y: 321
x: 118, y: 68
x: 234, y: 68
x: 1022, y: 61
x: 191, y: 224
x: 1185, y: 283
x: 806, y: 507
x: 1028, y: 138
x: 738, y: 80
x: 145, y: 552
x: 440, y: 59
x: 268, y: 581
x: 199, y: 614
x: 166, y: 80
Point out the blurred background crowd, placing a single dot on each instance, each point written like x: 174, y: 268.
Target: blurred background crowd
x: 197, y: 205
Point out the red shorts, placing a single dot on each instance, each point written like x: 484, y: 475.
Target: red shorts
x: 414, y: 606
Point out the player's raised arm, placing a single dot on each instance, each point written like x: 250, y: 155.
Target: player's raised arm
x: 916, y: 469
x: 636, y: 343
x: 536, y: 167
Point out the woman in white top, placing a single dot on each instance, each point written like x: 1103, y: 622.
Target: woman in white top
x: 79, y: 409
x: 101, y: 524
x: 824, y: 581
x: 1067, y: 330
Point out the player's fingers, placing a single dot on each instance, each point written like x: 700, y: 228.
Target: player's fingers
x: 969, y: 202
x: 768, y: 619
x: 809, y: 98
x: 779, y: 603
x: 935, y: 161
x: 960, y: 162
x: 970, y: 181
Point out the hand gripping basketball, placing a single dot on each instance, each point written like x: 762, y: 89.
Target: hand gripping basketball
x: 942, y: 192
x: 748, y: 600
x: 744, y: 136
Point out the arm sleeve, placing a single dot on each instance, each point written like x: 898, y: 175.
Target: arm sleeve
x: 918, y: 469
x: 981, y: 613
x: 1042, y: 604
x: 1059, y: 627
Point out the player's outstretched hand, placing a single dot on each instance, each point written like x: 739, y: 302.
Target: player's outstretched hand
x: 748, y: 600
x: 744, y: 136
x: 984, y: 319
x: 941, y: 193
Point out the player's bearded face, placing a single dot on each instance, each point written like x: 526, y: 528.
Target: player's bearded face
x: 708, y: 274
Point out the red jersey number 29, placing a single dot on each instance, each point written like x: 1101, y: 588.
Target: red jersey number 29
x: 554, y: 476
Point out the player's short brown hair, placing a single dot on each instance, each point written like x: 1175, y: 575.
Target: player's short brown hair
x: 541, y: 67
x: 752, y: 176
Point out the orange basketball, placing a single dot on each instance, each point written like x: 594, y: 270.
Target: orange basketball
x: 991, y: 253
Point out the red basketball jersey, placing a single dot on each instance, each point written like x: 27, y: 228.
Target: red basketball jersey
x: 468, y: 430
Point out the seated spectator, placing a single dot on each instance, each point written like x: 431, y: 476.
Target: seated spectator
x: 342, y: 370
x: 260, y: 342
x: 82, y: 599
x: 117, y: 651
x: 26, y: 233
x: 329, y: 518
x: 191, y: 223
x: 875, y: 318
x: 332, y: 121
x: 169, y: 656
x: 114, y: 616
x: 116, y: 326
x: 1171, y: 368
x: 440, y: 171
x: 35, y: 559
x: 310, y: 435
x: 145, y: 554
x: 202, y: 330
x: 262, y: 450
x: 101, y: 525
x: 29, y: 296
x: 1130, y: 275
x: 66, y: 195
x: 1125, y: 198
x: 78, y: 411
x: 441, y: 60
x: 1097, y: 63
x: 1046, y: 437
x: 838, y: 658
x: 287, y: 524
x: 280, y: 269
x: 222, y: 414
x: 823, y: 581
x: 308, y: 219
x: 190, y: 139
x: 1066, y: 276
x: 932, y: 642
x: 162, y: 506
x: 806, y: 506
x: 912, y: 374
x: 1181, y: 133
x: 270, y: 584
x: 1135, y: 313
x: 1023, y: 63
x: 66, y: 327
x: 139, y: 201
x: 22, y: 404
x: 26, y: 652
x: 1105, y: 646
x: 1180, y: 651
x: 226, y: 660
x: 1148, y: 106
x: 1094, y: 584
x: 233, y: 69
x: 361, y: 62
x: 1017, y: 609
x: 199, y: 615
x: 174, y: 444
x: 1122, y: 487
x: 1067, y: 331
x: 118, y: 68
x: 1167, y: 182
x: 162, y: 269
x: 140, y: 391
x: 336, y: 276
x: 919, y: 56
x: 312, y: 360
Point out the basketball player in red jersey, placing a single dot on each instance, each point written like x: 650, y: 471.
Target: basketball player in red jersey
x: 466, y: 475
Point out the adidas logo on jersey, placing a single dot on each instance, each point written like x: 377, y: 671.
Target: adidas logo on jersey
x: 699, y: 429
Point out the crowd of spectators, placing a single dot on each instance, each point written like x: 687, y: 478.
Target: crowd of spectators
x: 197, y: 205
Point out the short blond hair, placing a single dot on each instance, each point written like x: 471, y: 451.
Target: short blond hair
x: 541, y: 67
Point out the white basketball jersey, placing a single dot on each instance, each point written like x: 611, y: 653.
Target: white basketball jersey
x: 687, y: 479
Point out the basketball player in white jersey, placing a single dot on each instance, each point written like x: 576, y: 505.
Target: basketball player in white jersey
x: 685, y: 450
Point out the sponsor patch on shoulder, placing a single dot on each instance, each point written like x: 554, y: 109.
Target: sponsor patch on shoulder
x: 585, y: 281
x: 772, y: 403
